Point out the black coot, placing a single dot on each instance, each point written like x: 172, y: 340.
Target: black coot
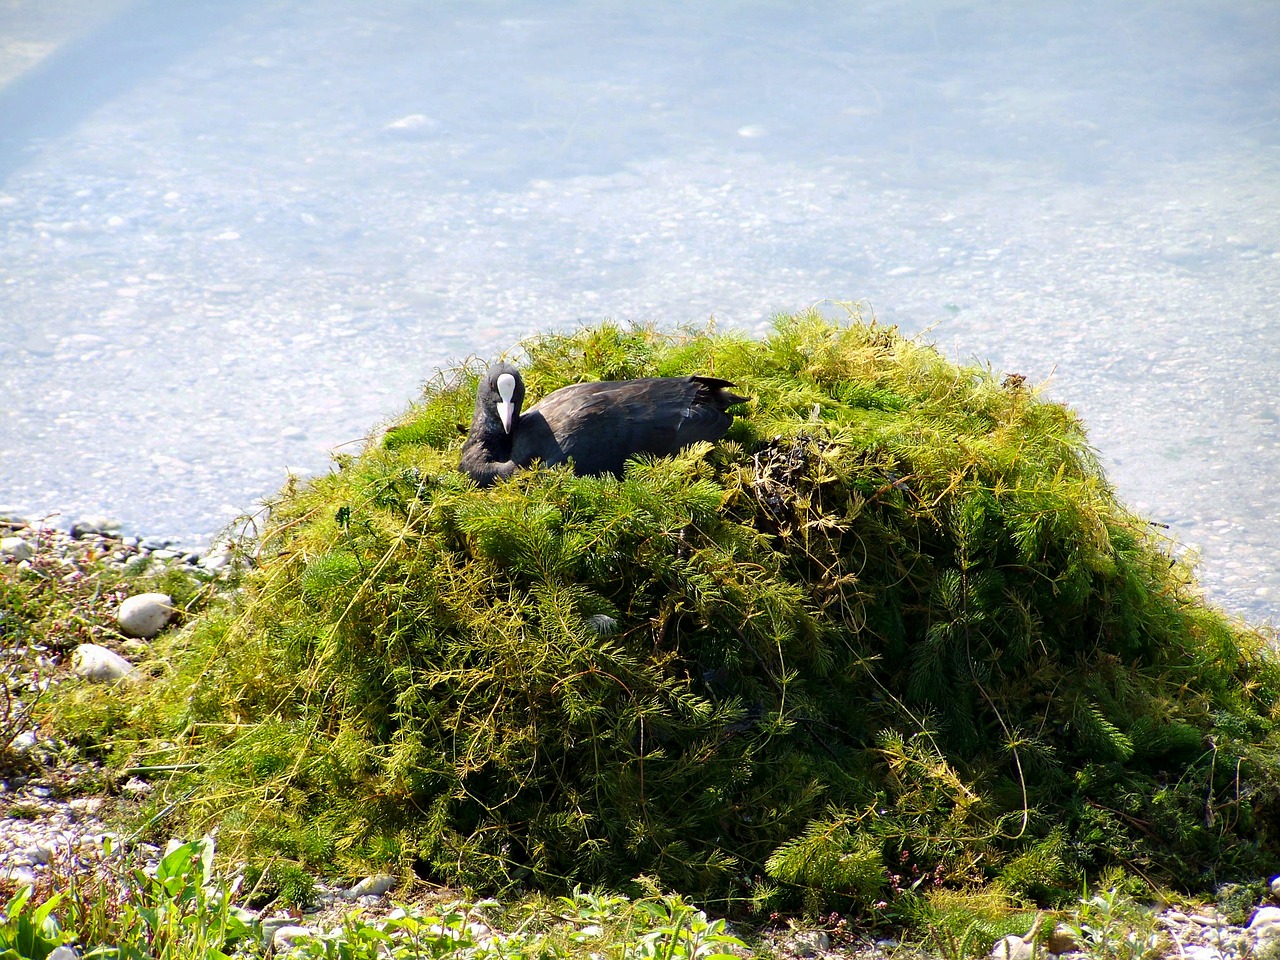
x: 597, y: 426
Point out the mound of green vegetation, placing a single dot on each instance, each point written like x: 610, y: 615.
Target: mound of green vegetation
x: 893, y: 633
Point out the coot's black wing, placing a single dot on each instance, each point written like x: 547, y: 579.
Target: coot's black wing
x: 600, y: 425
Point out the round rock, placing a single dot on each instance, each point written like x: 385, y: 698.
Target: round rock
x: 145, y: 614
x: 98, y: 663
x: 17, y: 548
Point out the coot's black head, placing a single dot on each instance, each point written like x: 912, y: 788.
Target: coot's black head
x: 502, y: 394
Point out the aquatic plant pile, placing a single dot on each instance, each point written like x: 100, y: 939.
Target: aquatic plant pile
x: 894, y: 634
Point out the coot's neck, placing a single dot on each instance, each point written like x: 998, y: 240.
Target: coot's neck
x: 487, y: 433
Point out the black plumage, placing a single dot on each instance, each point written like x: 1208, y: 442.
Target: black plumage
x: 596, y: 426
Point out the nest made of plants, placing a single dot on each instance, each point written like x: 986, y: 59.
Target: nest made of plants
x: 895, y: 632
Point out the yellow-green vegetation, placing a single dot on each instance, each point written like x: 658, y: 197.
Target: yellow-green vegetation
x: 53, y: 603
x: 893, y: 635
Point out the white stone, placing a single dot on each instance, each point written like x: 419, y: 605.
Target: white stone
x: 1199, y: 952
x: 98, y: 663
x: 1265, y: 924
x: 1275, y: 886
x: 284, y: 937
x: 810, y: 943
x: 145, y: 614
x: 1011, y: 948
x: 41, y: 854
x: 62, y: 953
x: 214, y: 562
x: 17, y: 548
x: 86, y: 806
x: 136, y: 787
x: 25, y: 741
x: 270, y: 925
x: 21, y: 876
x: 374, y: 886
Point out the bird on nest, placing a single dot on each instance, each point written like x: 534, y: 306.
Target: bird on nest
x: 596, y: 427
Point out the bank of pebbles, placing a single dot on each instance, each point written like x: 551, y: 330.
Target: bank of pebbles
x: 46, y: 830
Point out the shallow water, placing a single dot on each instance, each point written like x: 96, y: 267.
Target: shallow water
x: 238, y: 237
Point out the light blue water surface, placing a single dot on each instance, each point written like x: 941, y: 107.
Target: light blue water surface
x: 235, y: 235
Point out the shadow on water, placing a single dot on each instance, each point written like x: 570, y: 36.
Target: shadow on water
x: 52, y: 97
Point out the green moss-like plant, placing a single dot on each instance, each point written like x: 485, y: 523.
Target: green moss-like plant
x: 895, y: 628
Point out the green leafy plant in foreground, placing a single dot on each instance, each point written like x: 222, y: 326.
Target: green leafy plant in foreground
x: 29, y: 931
x: 894, y: 631
x: 115, y: 911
